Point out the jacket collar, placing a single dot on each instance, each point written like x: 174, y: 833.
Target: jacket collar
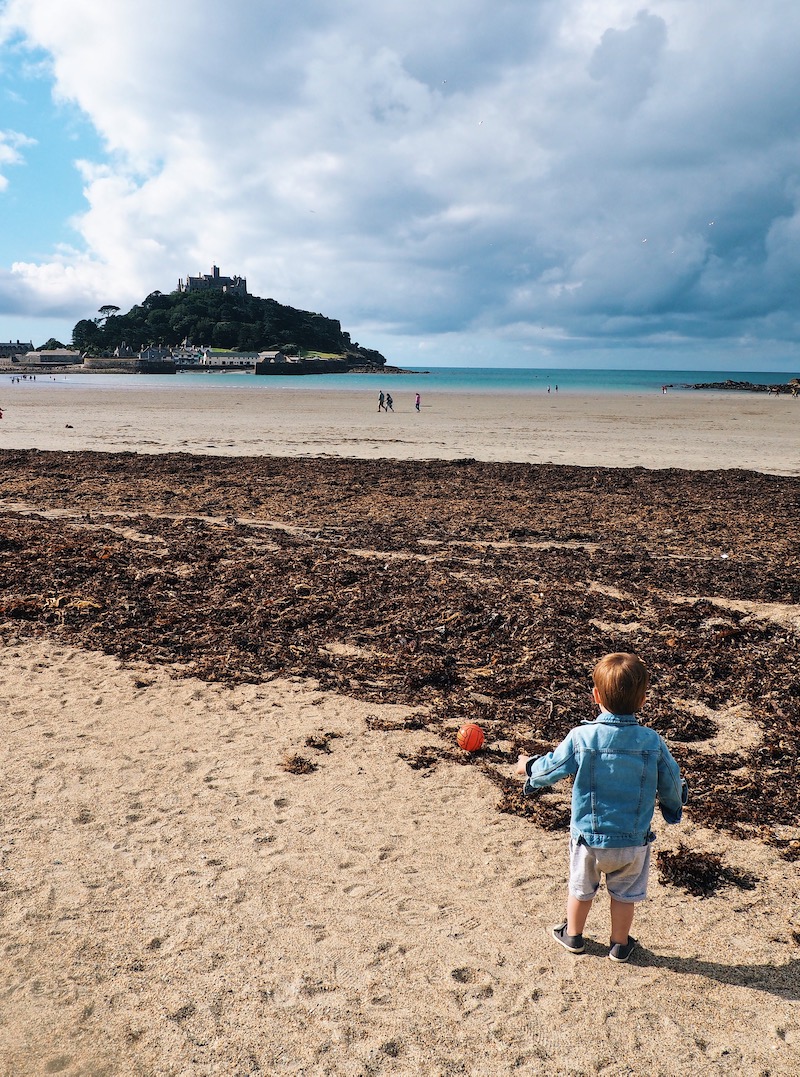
x: 604, y: 718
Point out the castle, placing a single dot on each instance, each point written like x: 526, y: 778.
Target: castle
x: 213, y: 281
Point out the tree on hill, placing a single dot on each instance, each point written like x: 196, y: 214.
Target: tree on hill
x: 87, y: 337
x: 50, y: 345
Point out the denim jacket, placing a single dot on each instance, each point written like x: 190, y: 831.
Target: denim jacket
x: 620, y: 767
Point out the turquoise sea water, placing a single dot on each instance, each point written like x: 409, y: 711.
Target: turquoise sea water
x: 438, y: 379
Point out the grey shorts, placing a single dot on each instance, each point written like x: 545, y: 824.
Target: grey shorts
x: 626, y: 871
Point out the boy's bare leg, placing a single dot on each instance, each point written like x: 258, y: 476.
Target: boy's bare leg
x: 577, y: 912
x: 621, y: 920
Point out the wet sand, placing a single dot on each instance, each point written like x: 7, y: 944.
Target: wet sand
x: 685, y: 429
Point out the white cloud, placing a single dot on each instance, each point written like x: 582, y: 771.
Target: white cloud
x: 438, y: 169
x: 11, y: 143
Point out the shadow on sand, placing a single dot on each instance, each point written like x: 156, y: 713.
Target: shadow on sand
x: 781, y: 980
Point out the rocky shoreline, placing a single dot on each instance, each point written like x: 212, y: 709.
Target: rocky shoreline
x: 791, y: 388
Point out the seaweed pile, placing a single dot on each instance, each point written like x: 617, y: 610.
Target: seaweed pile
x: 468, y: 590
x: 700, y: 874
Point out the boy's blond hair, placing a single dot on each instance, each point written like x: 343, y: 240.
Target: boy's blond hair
x: 621, y: 681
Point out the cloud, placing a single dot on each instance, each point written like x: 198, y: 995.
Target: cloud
x: 11, y: 143
x: 544, y: 174
x: 625, y: 63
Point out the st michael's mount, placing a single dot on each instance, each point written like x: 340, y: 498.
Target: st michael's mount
x: 210, y: 322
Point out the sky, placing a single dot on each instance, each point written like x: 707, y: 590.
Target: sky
x: 468, y: 182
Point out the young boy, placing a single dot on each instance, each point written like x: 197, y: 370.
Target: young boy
x: 620, y: 767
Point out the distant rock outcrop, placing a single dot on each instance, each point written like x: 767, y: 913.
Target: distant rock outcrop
x: 790, y: 387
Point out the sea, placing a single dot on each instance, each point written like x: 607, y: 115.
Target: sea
x: 488, y: 380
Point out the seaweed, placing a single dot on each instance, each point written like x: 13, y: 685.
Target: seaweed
x: 459, y: 589
x: 298, y: 764
x: 700, y: 874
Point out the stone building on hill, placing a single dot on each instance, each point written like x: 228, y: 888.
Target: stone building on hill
x: 8, y: 348
x: 213, y: 282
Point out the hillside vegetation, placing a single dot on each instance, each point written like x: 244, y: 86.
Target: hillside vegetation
x: 218, y: 319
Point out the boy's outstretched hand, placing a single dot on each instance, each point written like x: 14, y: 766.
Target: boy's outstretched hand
x: 522, y: 763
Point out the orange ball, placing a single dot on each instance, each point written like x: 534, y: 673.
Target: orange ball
x: 470, y: 737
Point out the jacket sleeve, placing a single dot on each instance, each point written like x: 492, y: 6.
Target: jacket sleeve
x: 673, y: 792
x: 551, y: 768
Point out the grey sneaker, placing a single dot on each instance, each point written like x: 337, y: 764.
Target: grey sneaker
x: 573, y: 943
x: 621, y: 951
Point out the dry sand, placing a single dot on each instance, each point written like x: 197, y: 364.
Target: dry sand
x: 174, y: 902
x: 680, y: 429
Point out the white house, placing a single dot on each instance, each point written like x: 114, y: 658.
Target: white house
x: 218, y: 357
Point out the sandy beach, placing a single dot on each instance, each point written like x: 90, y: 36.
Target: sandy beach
x: 680, y: 429
x: 239, y: 837
x: 176, y: 903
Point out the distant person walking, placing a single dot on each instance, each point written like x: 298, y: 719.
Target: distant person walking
x: 381, y: 405
x: 416, y: 401
x: 389, y: 402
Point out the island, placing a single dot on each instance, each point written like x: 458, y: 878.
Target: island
x: 210, y: 322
